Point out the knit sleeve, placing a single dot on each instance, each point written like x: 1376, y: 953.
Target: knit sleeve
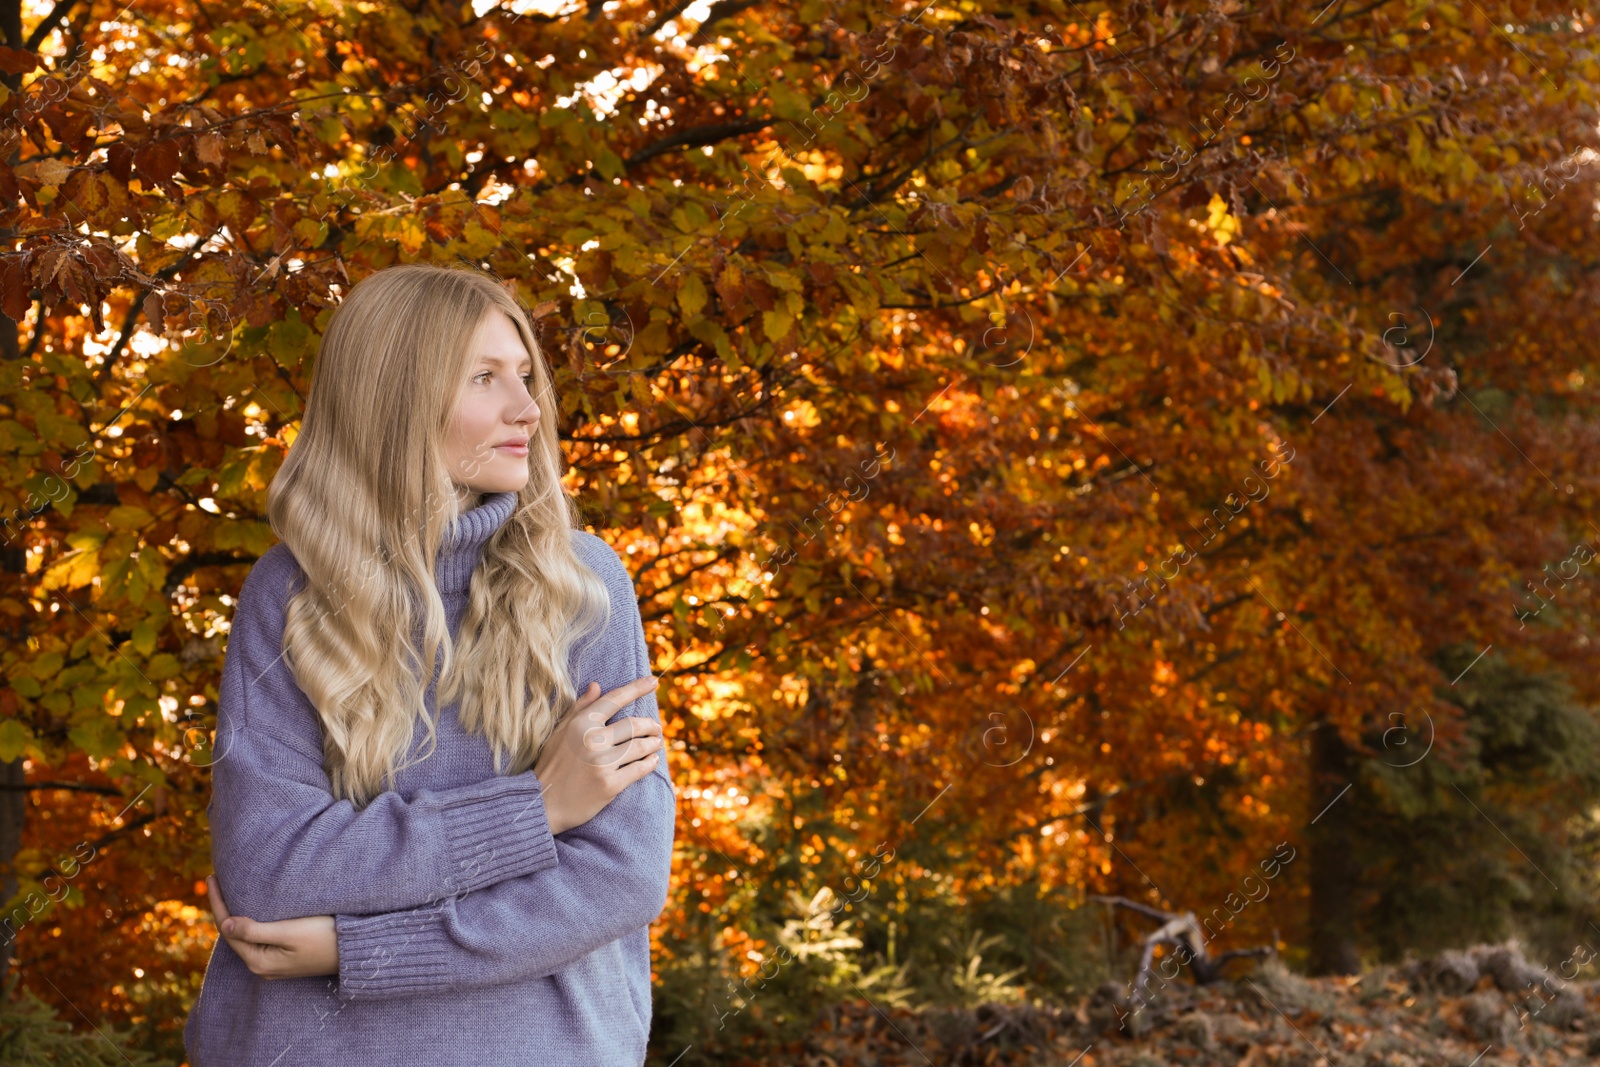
x: 283, y: 846
x: 612, y: 878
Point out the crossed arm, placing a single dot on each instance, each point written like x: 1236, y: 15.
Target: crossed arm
x: 454, y: 888
x: 283, y: 846
x: 611, y: 880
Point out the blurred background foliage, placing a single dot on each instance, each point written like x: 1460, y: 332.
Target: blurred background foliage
x: 1069, y: 449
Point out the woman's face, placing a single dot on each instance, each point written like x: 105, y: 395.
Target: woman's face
x: 487, y: 443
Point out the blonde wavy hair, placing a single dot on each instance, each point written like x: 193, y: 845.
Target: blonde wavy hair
x: 363, y: 501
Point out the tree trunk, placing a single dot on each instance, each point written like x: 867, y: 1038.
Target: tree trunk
x: 1333, y: 868
x: 13, y: 564
x: 13, y: 807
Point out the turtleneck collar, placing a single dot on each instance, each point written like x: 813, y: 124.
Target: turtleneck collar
x: 463, y: 542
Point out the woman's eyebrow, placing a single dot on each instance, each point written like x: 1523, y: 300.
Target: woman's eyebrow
x: 501, y: 361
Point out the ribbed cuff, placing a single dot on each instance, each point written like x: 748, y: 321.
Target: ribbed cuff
x: 395, y: 954
x: 495, y: 838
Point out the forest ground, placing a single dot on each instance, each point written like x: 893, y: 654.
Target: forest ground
x: 1459, y: 1009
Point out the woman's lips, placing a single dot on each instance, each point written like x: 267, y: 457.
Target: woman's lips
x: 514, y: 450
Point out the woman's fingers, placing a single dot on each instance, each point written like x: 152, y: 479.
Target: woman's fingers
x: 624, y: 730
x: 597, y: 736
x: 270, y: 950
x: 256, y: 955
x: 637, y: 748
x: 617, y: 744
x: 640, y: 768
x: 242, y: 929
x: 620, y: 697
x: 592, y: 710
x: 584, y: 729
x: 219, y: 910
x: 253, y: 941
x: 234, y: 927
x: 235, y: 930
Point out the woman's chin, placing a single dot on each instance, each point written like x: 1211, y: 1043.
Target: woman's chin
x: 513, y: 483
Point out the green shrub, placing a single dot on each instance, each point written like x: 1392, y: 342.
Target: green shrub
x: 32, y: 1036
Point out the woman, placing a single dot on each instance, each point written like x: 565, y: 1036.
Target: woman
x: 480, y: 894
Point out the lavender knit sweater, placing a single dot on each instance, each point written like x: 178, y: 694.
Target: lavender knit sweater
x: 468, y: 934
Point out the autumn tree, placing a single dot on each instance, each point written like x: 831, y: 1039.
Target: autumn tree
x: 1050, y: 442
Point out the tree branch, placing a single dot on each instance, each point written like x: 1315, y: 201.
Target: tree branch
x: 76, y: 787
x: 48, y: 24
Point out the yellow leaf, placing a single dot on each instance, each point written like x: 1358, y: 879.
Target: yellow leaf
x: 162, y: 667
x: 776, y: 323
x: 71, y: 571
x: 144, y: 637
x: 128, y: 517
x: 692, y: 296
x: 411, y: 235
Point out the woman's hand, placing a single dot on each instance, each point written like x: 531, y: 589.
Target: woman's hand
x: 585, y: 762
x: 292, y: 948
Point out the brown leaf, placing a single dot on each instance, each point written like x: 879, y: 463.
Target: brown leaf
x: 980, y: 236
x: 155, y: 312
x: 281, y: 131
x: 119, y: 161
x: 79, y: 289
x: 69, y: 127
x: 17, y: 60
x: 52, y: 171
x: 130, y: 116
x: 10, y: 192
x: 730, y: 286
x: 104, y: 261
x: 209, y: 147
x: 1194, y: 194
x: 157, y: 161
x: 440, y: 229
x: 50, y: 264
x: 1157, y: 237
x: 594, y: 268
x: 489, y: 218
x: 15, y: 288
x: 760, y: 293
x: 85, y: 193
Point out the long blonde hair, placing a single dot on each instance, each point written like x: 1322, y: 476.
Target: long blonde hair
x: 363, y: 501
